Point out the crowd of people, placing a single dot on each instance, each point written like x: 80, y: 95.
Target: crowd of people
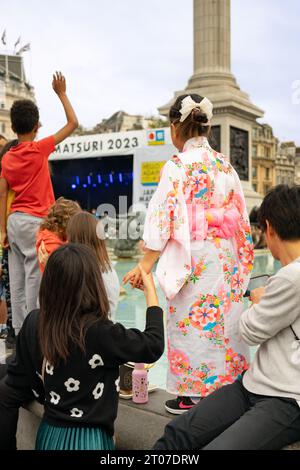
x: 64, y: 295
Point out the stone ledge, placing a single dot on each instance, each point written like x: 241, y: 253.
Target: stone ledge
x: 137, y: 426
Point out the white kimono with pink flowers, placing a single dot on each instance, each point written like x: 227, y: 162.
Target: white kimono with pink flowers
x: 197, y: 219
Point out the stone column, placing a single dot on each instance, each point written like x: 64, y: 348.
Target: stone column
x: 212, y: 36
x: 234, y: 113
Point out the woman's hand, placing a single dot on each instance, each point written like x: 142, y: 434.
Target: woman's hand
x: 148, y: 287
x: 134, y: 277
x: 257, y: 294
x: 43, y: 254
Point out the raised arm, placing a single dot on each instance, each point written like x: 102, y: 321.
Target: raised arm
x: 60, y: 88
x: 121, y: 345
x: 3, y: 205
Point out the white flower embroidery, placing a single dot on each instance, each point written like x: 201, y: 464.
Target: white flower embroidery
x: 72, y: 385
x: 96, y: 361
x: 55, y: 398
x: 49, y: 368
x: 98, y: 391
x: 117, y: 382
x: 76, y: 413
x: 35, y: 393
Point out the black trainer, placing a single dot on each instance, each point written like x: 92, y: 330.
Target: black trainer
x: 179, y: 405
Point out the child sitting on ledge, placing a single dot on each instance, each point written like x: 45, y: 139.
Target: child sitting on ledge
x: 69, y: 352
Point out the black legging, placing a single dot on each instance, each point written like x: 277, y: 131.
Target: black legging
x: 234, y: 419
x: 10, y: 401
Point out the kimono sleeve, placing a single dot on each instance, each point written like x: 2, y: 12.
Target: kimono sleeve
x: 167, y: 230
x: 167, y: 216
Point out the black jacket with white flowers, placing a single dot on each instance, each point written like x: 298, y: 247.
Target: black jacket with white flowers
x: 84, y: 391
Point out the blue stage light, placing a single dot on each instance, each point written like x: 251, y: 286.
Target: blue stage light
x: 99, y: 179
x: 74, y: 186
x: 94, y: 185
x: 120, y: 177
x: 111, y: 179
x: 77, y: 180
x: 89, y: 180
x: 84, y: 185
x: 107, y: 185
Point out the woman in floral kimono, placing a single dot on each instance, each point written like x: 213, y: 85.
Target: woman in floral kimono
x: 197, y: 224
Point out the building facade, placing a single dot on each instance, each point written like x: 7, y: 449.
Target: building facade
x: 264, y: 152
x: 286, y: 172
x: 123, y: 122
x: 297, y: 166
x: 13, y: 86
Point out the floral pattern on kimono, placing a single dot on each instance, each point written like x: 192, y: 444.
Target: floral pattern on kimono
x: 198, y: 220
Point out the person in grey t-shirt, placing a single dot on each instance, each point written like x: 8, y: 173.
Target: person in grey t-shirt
x: 260, y: 410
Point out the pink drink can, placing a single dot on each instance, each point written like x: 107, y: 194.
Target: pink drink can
x: 140, y: 384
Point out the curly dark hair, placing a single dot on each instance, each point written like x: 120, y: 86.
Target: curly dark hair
x: 59, y: 216
x: 24, y: 115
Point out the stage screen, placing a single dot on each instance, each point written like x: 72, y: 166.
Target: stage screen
x: 94, y: 181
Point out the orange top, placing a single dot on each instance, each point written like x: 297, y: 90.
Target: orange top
x: 25, y: 168
x: 51, y: 241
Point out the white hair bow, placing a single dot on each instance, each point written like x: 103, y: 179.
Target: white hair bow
x: 188, y: 105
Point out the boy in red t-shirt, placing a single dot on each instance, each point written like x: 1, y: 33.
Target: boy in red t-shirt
x: 25, y: 170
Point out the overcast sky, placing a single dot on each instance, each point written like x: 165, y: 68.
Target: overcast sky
x: 133, y: 54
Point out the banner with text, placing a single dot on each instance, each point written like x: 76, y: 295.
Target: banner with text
x: 148, y: 163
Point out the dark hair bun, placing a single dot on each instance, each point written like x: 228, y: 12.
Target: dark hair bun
x: 199, y: 117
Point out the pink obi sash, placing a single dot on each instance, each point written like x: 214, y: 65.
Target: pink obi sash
x: 219, y: 223
x: 203, y: 223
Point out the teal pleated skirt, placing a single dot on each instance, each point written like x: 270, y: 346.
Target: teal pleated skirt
x: 72, y: 438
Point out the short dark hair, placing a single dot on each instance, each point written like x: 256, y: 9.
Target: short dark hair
x: 281, y: 208
x: 194, y: 125
x: 24, y: 115
x: 65, y: 319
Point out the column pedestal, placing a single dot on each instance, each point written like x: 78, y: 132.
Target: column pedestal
x: 234, y: 113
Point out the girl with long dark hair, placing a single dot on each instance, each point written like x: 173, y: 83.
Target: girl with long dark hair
x: 69, y: 352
